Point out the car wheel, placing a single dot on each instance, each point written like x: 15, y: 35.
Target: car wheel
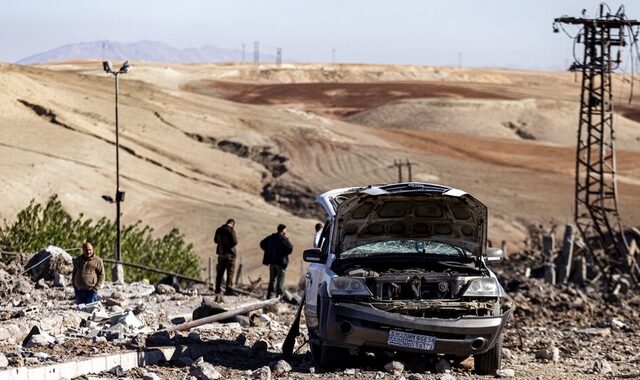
x: 332, y: 357
x: 489, y: 362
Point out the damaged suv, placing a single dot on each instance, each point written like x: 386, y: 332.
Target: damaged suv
x: 403, y: 268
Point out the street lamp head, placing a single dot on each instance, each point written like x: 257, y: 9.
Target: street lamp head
x: 125, y: 68
x: 108, y: 198
x: 106, y: 66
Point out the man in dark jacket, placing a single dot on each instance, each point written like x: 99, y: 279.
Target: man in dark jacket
x: 277, y: 249
x: 226, y: 240
x: 87, y: 276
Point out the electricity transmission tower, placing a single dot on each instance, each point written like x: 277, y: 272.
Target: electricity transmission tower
x: 596, y: 203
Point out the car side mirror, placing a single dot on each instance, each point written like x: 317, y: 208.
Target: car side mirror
x: 313, y: 255
x: 495, y: 254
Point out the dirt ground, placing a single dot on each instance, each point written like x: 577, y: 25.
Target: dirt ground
x: 462, y: 127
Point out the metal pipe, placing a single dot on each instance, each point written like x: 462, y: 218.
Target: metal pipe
x: 225, y: 315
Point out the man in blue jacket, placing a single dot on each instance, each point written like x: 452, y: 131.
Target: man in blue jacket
x: 277, y: 249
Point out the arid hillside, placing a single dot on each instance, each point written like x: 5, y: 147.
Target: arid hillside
x: 202, y: 143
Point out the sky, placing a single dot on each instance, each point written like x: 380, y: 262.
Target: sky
x: 476, y: 33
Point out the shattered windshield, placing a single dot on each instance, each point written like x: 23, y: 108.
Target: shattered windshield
x: 394, y: 247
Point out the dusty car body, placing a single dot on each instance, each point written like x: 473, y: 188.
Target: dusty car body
x: 403, y: 267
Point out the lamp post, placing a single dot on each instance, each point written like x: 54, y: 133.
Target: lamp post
x: 117, y: 275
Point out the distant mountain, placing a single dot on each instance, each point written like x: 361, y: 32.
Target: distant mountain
x: 153, y: 51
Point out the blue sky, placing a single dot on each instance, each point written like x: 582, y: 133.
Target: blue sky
x: 487, y: 33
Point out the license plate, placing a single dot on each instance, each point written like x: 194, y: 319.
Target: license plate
x: 408, y: 340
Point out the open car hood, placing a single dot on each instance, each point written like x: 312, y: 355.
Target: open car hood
x: 410, y: 210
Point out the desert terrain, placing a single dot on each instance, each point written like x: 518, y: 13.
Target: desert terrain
x: 203, y: 143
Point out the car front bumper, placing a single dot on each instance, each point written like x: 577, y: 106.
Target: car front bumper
x: 356, y: 326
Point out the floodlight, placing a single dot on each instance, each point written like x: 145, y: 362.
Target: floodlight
x: 125, y: 67
x: 108, y: 198
x: 106, y: 65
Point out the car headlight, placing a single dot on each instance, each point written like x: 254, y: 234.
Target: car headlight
x: 348, y: 286
x: 483, y: 287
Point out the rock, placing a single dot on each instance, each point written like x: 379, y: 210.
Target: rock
x: 551, y: 353
x: 15, y: 359
x: 4, y: 334
x: 160, y: 338
x: 194, y: 337
x: 117, y: 371
x: 41, y: 284
x: 99, y: 339
x: 507, y: 372
x: 203, y: 370
x: 443, y: 366
x: 165, y: 289
x: 37, y: 337
x: 281, y: 368
x: 446, y: 376
x: 349, y: 371
x: 394, y: 367
x: 150, y: 376
x: 31, y: 361
x: 415, y: 376
x: 507, y: 354
x: 262, y: 373
x: 4, y: 362
x: 602, y: 367
x: 127, y: 319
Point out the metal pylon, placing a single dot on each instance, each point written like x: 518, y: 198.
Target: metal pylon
x: 596, y: 203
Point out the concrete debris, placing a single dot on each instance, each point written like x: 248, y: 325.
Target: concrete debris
x: 506, y: 373
x: 415, y: 376
x: 602, y: 367
x: 349, y: 371
x: 281, y: 368
x: 165, y: 289
x: 394, y: 367
x: 150, y: 376
x: 38, y: 337
x: 4, y: 363
x: 549, y: 354
x: 262, y: 373
x: 202, y: 370
x: 446, y: 376
x: 44, y: 264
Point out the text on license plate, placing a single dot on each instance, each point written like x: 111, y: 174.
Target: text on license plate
x: 404, y: 339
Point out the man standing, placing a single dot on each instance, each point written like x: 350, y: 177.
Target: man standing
x: 226, y: 240
x: 87, y: 276
x: 277, y: 249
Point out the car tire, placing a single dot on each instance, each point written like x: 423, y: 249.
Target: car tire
x: 489, y: 362
x: 332, y: 357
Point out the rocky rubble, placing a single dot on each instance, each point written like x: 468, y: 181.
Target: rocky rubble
x: 556, y: 331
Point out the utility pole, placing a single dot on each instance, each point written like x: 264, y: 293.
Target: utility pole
x: 409, y: 164
x: 596, y: 204
x: 279, y: 56
x: 256, y: 52
x: 399, y: 164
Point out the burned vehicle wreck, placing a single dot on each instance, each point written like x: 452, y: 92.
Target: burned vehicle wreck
x: 403, y: 268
